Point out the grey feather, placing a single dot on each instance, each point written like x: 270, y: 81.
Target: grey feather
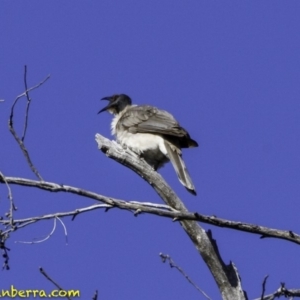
x: 174, y: 154
x: 148, y: 119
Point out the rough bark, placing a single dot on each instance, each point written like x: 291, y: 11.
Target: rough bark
x: 226, y: 276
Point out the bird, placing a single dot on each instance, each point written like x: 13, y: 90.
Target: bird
x: 152, y: 133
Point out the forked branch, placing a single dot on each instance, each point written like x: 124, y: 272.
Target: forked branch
x: 20, y: 140
x: 138, y: 208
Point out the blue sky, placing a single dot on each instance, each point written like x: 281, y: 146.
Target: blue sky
x: 229, y: 71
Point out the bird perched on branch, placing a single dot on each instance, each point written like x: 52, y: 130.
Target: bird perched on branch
x: 152, y: 133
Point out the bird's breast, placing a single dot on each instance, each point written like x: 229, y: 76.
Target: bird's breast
x: 151, y: 147
x: 141, y: 142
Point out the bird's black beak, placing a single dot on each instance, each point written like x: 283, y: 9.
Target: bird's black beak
x: 108, y: 106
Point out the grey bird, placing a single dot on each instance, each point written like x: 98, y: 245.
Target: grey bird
x: 152, y: 133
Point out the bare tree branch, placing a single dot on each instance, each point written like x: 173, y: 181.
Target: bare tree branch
x: 95, y: 297
x: 282, y: 292
x: 48, y: 236
x: 51, y: 280
x: 11, y: 201
x: 4, y: 251
x: 264, y: 287
x: 141, y: 207
x: 27, y: 104
x: 172, y: 264
x: 64, y: 227
x: 225, y: 276
x: 42, y: 240
x: 19, y: 140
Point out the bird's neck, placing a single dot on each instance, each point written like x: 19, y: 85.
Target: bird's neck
x: 116, y: 118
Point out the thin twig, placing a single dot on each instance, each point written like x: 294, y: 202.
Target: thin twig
x: 4, y: 251
x: 95, y: 297
x: 11, y: 201
x: 51, y: 280
x: 64, y: 227
x: 19, y: 140
x: 20, y: 226
x: 44, y: 239
x: 21, y: 223
x: 27, y: 104
x: 264, y: 287
x: 172, y: 264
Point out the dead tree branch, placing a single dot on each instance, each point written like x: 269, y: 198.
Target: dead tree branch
x: 51, y: 280
x: 95, y: 297
x: 4, y: 250
x: 19, y: 140
x: 225, y: 276
x: 264, y: 287
x: 11, y: 201
x: 172, y: 264
x: 282, y: 292
x: 138, y: 208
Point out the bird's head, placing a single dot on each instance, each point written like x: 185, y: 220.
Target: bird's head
x: 116, y: 103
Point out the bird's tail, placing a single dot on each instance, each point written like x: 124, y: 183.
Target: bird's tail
x: 174, y: 155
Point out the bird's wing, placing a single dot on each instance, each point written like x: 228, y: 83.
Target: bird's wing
x: 148, y: 119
